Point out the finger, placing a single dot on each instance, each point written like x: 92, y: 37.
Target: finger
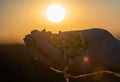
x: 35, y: 31
x: 41, y: 57
x: 45, y: 60
x: 48, y: 49
x: 38, y: 35
x: 28, y: 40
x: 37, y: 54
x: 35, y: 34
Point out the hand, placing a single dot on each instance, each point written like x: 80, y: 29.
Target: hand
x: 103, y: 52
x: 43, y: 51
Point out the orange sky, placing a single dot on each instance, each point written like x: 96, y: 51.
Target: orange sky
x: 19, y: 17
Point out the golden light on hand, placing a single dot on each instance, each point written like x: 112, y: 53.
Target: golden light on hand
x: 55, y: 13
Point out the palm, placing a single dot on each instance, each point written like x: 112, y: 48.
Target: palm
x: 102, y: 46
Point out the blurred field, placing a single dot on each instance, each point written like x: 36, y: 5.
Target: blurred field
x: 17, y: 65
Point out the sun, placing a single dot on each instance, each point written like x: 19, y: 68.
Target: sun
x: 55, y: 13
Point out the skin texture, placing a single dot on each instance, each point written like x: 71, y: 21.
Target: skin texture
x: 103, y: 52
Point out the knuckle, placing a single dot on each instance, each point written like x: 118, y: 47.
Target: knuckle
x: 34, y: 31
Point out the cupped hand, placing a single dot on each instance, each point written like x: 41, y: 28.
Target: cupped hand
x: 102, y: 53
x: 42, y: 50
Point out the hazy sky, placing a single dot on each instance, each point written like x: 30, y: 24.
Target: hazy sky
x: 19, y: 17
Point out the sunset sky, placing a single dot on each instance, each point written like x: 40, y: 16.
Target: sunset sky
x: 19, y: 17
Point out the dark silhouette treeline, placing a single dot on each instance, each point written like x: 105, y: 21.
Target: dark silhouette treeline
x: 17, y: 65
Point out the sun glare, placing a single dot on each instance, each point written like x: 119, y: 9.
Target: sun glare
x: 85, y: 59
x: 55, y: 13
